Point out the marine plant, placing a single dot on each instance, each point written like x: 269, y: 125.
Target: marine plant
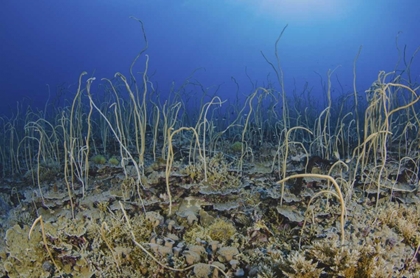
x: 114, y: 161
x: 99, y: 159
x: 236, y: 147
x: 221, y: 230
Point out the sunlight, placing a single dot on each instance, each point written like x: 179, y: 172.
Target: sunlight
x: 300, y: 10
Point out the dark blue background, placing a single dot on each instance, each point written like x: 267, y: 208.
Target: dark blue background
x: 53, y: 41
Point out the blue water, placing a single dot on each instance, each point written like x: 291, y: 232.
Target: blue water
x: 52, y: 42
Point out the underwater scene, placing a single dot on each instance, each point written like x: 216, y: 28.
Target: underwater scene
x: 230, y: 151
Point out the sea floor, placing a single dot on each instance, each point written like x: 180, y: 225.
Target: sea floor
x: 223, y: 222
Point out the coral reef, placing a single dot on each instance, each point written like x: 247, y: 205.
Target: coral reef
x: 255, y: 190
